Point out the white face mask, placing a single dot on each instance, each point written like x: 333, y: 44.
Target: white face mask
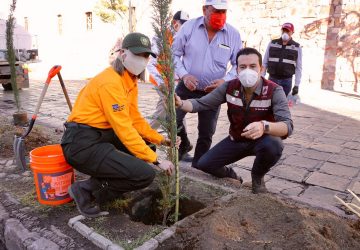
x: 285, y: 37
x: 133, y: 63
x: 248, y: 77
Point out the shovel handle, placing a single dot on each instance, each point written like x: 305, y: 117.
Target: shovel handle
x: 64, y: 90
x: 53, y: 72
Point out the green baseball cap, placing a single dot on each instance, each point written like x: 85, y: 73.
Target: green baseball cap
x: 137, y: 43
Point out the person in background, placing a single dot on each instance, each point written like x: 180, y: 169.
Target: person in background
x: 156, y: 79
x: 202, y: 50
x: 107, y: 138
x: 283, y: 59
x: 259, y: 118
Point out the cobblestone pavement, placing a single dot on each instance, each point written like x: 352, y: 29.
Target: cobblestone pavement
x: 321, y: 158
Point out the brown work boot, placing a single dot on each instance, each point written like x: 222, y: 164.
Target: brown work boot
x: 80, y: 192
x: 258, y: 184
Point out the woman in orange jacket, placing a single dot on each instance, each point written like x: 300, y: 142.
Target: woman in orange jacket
x: 107, y: 138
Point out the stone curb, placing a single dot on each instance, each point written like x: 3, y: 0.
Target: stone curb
x: 91, y: 235
x: 15, y: 236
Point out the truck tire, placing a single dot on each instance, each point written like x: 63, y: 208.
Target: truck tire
x: 7, y: 86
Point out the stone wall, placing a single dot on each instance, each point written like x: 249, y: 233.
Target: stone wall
x: 328, y: 30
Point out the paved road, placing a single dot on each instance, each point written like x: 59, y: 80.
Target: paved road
x: 321, y: 158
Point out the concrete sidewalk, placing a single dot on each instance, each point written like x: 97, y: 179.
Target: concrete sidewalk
x: 321, y: 158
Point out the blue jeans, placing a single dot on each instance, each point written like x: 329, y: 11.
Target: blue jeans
x: 207, y: 120
x: 284, y: 83
x: 267, y: 149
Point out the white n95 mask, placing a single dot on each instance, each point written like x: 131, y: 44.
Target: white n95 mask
x: 248, y: 77
x: 285, y: 37
x: 133, y: 63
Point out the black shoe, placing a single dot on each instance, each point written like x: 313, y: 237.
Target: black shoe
x: 258, y: 184
x: 83, y: 199
x: 234, y: 175
x: 183, y: 150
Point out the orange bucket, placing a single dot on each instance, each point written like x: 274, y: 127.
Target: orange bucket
x: 52, y: 175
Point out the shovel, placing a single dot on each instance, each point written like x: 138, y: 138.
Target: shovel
x: 19, y: 145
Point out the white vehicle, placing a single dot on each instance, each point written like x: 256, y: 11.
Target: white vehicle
x: 24, y: 52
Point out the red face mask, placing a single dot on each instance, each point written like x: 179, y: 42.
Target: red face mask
x: 217, y: 20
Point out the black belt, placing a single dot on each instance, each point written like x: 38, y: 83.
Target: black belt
x: 77, y: 125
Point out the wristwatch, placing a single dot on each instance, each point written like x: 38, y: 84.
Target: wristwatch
x: 266, y: 126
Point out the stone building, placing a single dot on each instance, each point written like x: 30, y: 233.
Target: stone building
x: 70, y: 33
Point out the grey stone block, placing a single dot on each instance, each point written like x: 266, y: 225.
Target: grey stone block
x: 345, y: 160
x: 339, y: 170
x: 326, y: 147
x: 2, y: 175
x: 351, y: 152
x: 83, y: 229
x: 43, y: 244
x: 75, y: 219
x: 17, y: 236
x: 331, y: 141
x: 4, y: 215
x: 355, y: 187
x: 276, y: 185
x: 100, y: 240
x: 302, y: 162
x: 114, y: 247
x: 320, y: 197
x: 352, y: 145
x: 164, y: 235
x: 314, y: 154
x: 328, y: 181
x: 9, y: 163
x: 289, y: 172
x: 148, y: 245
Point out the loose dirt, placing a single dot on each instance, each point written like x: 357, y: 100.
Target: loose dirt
x: 265, y: 222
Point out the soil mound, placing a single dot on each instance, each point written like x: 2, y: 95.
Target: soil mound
x: 265, y: 222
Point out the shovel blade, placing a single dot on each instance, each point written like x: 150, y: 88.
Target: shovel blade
x: 19, y: 152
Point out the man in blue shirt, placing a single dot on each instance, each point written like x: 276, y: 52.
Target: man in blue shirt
x: 202, y: 50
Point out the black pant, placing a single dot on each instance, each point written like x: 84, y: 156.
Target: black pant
x: 207, y: 120
x: 100, y: 154
x: 267, y: 149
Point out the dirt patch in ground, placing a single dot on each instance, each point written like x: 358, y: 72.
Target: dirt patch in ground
x: 264, y: 222
x: 39, y: 136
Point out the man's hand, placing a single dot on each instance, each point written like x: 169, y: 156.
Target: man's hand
x: 190, y: 82
x: 214, y: 85
x: 295, y: 90
x: 167, y: 166
x: 167, y: 142
x: 178, y: 101
x: 253, y: 131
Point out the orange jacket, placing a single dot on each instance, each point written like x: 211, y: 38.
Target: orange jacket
x: 110, y: 100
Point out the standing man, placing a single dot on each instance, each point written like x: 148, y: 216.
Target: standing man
x: 259, y: 118
x: 106, y: 136
x: 156, y: 79
x: 283, y: 59
x: 202, y: 50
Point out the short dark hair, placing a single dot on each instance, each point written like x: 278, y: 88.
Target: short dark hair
x: 248, y: 51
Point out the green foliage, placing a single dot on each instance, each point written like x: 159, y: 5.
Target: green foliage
x: 119, y: 204
x: 10, y: 25
x: 162, y: 26
x: 110, y: 11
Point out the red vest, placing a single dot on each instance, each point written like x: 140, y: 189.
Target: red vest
x: 259, y: 108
